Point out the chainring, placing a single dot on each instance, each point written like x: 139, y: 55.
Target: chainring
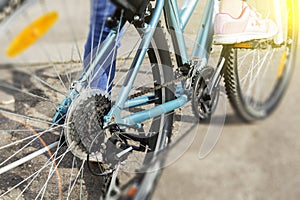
x: 203, y: 104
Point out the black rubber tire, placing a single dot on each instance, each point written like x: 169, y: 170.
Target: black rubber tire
x: 254, y: 110
x: 162, y: 72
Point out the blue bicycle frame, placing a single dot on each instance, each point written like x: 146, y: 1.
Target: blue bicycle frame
x: 177, y: 20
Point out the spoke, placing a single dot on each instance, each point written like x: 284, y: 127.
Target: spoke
x: 106, y: 59
x: 27, y: 158
x: 38, y: 136
x: 253, y: 66
x: 106, y: 13
x: 35, y: 174
x: 260, y: 82
x: 99, y: 45
x: 46, y: 53
x: 71, y: 175
x: 52, y: 160
x: 113, y: 185
x: 38, y: 64
x: 27, y: 93
x: 114, y: 51
x: 50, y: 175
x: 40, y: 80
x: 19, y: 130
x: 254, y: 78
x: 81, y: 187
x: 69, y: 18
x: 20, y: 141
x: 121, y: 66
x: 55, y: 169
x: 76, y: 178
x: 8, y: 114
x: 69, y: 75
x: 244, y: 57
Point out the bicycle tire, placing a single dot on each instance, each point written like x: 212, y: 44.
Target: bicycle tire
x: 162, y: 72
x: 248, y: 75
x: 33, y: 76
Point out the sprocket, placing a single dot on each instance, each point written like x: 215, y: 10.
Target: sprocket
x: 84, y: 125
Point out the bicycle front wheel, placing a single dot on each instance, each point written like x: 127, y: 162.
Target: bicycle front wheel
x: 256, y: 77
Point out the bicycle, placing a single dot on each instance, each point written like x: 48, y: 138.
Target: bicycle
x: 112, y: 130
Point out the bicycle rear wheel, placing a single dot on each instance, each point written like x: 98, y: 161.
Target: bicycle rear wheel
x: 40, y: 78
x: 257, y: 77
x: 161, y: 126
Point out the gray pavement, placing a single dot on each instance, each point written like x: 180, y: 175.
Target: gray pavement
x: 250, y: 161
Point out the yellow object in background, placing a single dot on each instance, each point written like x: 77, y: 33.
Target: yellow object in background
x: 31, y: 33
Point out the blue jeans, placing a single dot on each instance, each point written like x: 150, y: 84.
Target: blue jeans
x: 100, y: 10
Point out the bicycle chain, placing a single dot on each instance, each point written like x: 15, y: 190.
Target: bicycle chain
x: 164, y: 85
x: 12, y: 6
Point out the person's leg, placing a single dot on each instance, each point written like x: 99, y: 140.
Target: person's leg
x: 100, y: 10
x: 237, y: 22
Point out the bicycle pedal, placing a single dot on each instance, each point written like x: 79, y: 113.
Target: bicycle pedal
x: 254, y: 44
x: 244, y: 45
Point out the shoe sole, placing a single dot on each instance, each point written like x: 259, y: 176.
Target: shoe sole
x: 240, y: 37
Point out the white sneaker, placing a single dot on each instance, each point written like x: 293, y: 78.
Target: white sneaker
x: 249, y: 26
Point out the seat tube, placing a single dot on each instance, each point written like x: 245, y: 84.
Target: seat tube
x: 139, y: 57
x: 205, y: 34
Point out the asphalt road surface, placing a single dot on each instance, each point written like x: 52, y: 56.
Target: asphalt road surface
x: 250, y: 161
